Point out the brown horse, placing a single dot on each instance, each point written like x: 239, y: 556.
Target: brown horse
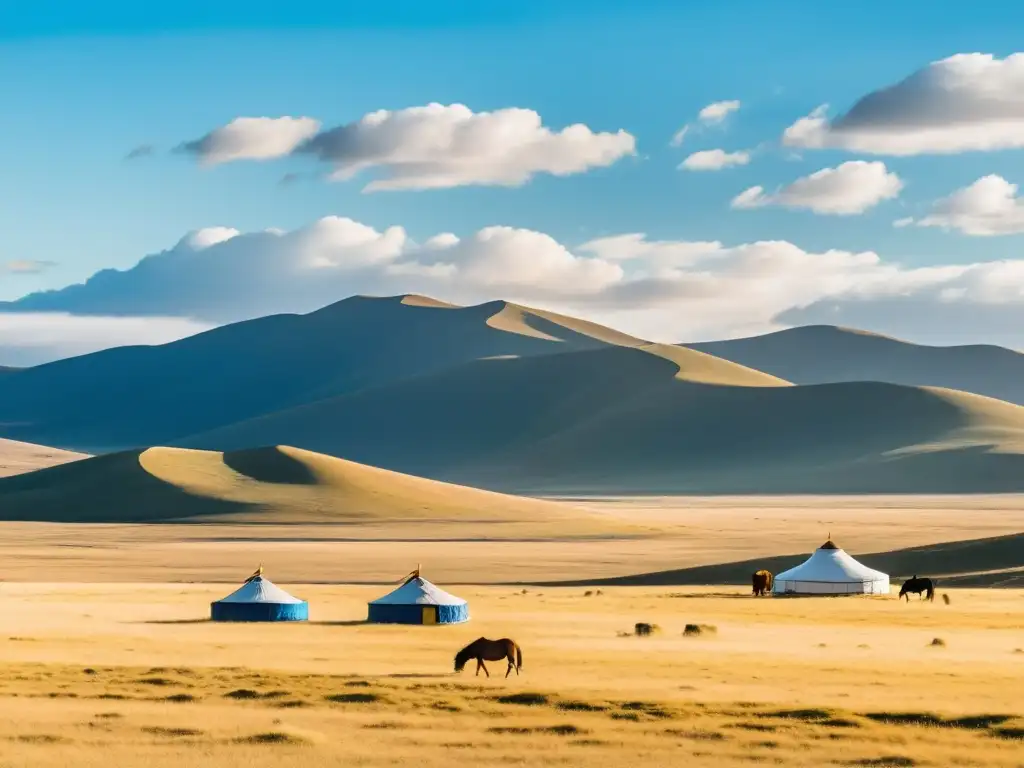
x: 483, y: 650
x: 762, y: 581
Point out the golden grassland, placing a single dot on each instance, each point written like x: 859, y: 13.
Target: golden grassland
x: 125, y: 674
x: 638, y: 535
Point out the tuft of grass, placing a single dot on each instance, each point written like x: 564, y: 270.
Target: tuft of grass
x: 904, y: 718
x: 88, y: 671
x: 580, y: 706
x: 978, y: 722
x: 804, y: 715
x: 242, y: 694
x: 387, y: 725
x: 157, y: 730
x: 291, y: 704
x: 697, y: 630
x: 938, y: 642
x: 633, y: 716
x: 354, y: 698
x: 563, y: 730
x: 946, y: 599
x: 158, y: 681
x: 446, y: 706
x: 181, y: 698
x: 1015, y: 734
x: 108, y: 715
x: 357, y: 684
x: 40, y: 738
x: 696, y: 735
x: 886, y: 761
x: 525, y: 699
x: 588, y: 593
x: 272, y: 737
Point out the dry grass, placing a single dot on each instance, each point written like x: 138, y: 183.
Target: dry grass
x: 115, y: 674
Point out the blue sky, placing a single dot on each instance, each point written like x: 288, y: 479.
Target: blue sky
x: 83, y: 85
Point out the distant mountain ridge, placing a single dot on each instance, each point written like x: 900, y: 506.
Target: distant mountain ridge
x: 522, y: 400
x: 824, y: 354
x: 141, y: 396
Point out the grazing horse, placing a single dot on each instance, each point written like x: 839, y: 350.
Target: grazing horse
x: 763, y: 581
x: 922, y: 587
x: 483, y: 650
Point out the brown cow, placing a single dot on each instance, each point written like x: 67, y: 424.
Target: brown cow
x: 762, y: 581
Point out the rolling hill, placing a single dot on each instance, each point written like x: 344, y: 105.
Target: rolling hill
x: 822, y: 354
x: 620, y: 420
x: 281, y: 484
x: 140, y: 396
x: 16, y: 458
x: 991, y: 562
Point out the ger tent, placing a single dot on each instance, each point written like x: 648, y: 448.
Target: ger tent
x: 259, y: 599
x: 830, y: 571
x: 418, y: 601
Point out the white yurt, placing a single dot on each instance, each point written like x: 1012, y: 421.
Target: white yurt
x: 830, y: 571
x: 418, y: 601
x: 259, y: 599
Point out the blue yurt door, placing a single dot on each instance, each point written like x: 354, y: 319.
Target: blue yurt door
x: 430, y: 614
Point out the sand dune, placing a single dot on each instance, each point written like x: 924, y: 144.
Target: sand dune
x: 138, y: 396
x: 822, y: 354
x: 16, y: 458
x: 620, y: 421
x: 279, y: 484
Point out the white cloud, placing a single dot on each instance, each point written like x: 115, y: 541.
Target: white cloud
x: 666, y: 290
x: 714, y: 160
x: 848, y: 189
x: 990, y: 206
x: 970, y: 101
x: 26, y: 266
x: 717, y: 112
x: 252, y: 138
x: 432, y: 147
x: 40, y: 337
x: 679, y: 136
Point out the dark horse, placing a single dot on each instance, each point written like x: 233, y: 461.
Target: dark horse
x: 922, y: 587
x: 762, y: 581
x: 483, y: 650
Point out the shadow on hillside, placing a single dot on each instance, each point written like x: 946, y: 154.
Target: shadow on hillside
x: 997, y: 561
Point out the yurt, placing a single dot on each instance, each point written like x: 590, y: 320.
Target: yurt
x: 418, y: 601
x: 259, y: 599
x: 830, y: 571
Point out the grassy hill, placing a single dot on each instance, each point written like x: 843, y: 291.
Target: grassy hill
x: 822, y: 354
x: 140, y: 396
x: 621, y: 420
x: 263, y: 485
x: 16, y: 457
x: 992, y: 562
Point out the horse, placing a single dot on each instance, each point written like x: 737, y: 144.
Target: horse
x: 483, y: 650
x: 763, y: 582
x: 922, y: 587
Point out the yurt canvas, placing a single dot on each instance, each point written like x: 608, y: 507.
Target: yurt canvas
x: 830, y: 571
x: 259, y: 599
x: 418, y: 601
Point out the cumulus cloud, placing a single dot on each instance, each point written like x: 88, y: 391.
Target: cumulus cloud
x: 718, y: 111
x: 34, y: 338
x: 850, y: 188
x: 967, y: 102
x: 666, y: 290
x: 251, y: 138
x: 26, y: 266
x: 990, y: 206
x: 714, y: 160
x: 432, y: 147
